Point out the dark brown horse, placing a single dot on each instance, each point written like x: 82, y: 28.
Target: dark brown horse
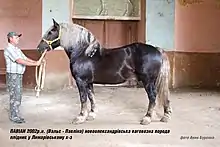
x: 91, y: 63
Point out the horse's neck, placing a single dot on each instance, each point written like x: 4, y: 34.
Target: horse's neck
x: 65, y: 40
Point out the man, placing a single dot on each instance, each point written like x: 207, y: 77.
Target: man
x: 16, y: 63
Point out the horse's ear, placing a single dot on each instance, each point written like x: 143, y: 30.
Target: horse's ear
x: 55, y: 23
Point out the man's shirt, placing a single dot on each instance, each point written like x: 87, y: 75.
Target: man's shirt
x: 11, y: 54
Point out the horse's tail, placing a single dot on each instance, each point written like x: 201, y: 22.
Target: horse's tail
x: 162, y: 82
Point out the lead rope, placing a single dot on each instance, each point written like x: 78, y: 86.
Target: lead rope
x: 40, y: 76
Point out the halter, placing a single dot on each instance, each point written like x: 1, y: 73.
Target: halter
x: 51, y: 42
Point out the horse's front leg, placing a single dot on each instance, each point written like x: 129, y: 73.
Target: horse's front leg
x: 82, y: 87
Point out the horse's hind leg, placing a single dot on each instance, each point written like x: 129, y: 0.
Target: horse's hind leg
x: 151, y: 92
x: 82, y: 87
x: 167, y: 111
x: 91, y: 97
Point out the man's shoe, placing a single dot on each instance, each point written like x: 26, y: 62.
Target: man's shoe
x: 18, y: 121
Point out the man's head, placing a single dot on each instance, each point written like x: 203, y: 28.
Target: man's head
x: 13, y: 37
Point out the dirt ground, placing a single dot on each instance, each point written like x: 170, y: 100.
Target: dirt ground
x: 195, y: 113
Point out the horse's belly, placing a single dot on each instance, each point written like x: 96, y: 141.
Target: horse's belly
x: 106, y: 78
x: 113, y: 71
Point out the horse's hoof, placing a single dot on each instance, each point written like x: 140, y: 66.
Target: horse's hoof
x: 91, y: 116
x: 165, y: 119
x: 79, y: 120
x: 145, y: 121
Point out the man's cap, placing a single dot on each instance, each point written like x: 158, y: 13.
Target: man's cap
x: 11, y: 34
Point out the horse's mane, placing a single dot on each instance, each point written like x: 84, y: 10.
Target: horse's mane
x: 79, y: 38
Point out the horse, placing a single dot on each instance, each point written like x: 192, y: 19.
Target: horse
x: 90, y: 63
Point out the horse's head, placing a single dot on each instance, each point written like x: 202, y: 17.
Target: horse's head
x: 51, y: 39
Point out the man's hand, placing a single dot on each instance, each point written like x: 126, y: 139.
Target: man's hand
x: 38, y: 63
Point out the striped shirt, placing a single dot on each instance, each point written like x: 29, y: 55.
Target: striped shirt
x: 11, y: 54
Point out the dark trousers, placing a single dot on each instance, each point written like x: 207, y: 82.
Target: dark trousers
x: 14, y: 87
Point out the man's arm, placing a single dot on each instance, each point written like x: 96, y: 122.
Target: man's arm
x: 17, y: 58
x: 30, y: 60
x: 27, y: 62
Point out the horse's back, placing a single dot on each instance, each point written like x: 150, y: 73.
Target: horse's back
x: 138, y: 49
x: 145, y: 49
